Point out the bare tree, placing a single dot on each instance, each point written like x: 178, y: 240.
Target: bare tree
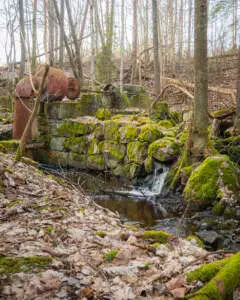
x: 199, y: 133
x: 22, y: 37
x: 61, y: 50
x: 34, y: 36
x: 134, y: 41
x: 237, y: 119
x: 157, y: 84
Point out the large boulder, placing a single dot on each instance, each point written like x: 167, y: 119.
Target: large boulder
x: 217, y: 178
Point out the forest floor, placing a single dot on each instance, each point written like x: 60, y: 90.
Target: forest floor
x: 55, y: 243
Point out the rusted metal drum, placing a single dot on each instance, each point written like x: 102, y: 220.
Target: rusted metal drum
x: 57, y: 86
x: 73, y: 88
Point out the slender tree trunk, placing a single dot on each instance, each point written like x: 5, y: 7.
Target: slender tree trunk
x: 69, y: 51
x: 61, y: 52
x: 189, y: 27
x: 199, y: 134
x: 134, y: 41
x: 34, y: 36
x: 156, y: 48
x: 22, y: 38
x: 237, y: 120
x: 83, y: 23
x: 45, y: 32
x: 77, y: 49
x: 92, y: 44
x: 122, y: 46
x: 180, y: 32
x: 51, y: 32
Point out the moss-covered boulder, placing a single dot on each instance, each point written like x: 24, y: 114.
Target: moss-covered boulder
x: 128, y: 133
x: 164, y: 150
x: 56, y: 143
x: 216, y: 178
x: 149, y: 133
x: 159, y: 111
x: 96, y: 162
x: 103, y: 114
x: 137, y: 152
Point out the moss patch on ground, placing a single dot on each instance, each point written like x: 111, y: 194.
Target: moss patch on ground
x: 11, y: 265
x: 158, y: 236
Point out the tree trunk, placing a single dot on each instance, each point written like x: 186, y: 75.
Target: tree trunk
x: 92, y: 44
x: 122, y: 46
x: 237, y: 119
x: 22, y: 38
x: 51, y: 32
x: 199, y: 132
x: 34, y: 36
x: 77, y: 49
x: 61, y: 52
x: 71, y: 60
x: 156, y: 48
x: 189, y: 27
x: 134, y: 42
x: 45, y: 32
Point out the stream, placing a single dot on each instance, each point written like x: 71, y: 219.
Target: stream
x: 144, y: 205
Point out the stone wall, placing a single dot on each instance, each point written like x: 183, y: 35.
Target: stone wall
x: 84, y: 134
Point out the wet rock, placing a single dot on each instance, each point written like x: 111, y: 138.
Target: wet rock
x: 208, y: 237
x: 164, y: 150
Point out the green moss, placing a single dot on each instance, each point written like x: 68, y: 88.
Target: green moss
x: 102, y: 234
x: 203, y: 185
x: 164, y: 149
x: 155, y: 245
x: 11, y: 265
x: 9, y: 145
x: 128, y: 133
x: 76, y: 144
x: 197, y: 239
x: 224, y: 280
x: 159, y: 111
x: 165, y: 123
x: 148, y: 164
x: 132, y: 170
x: 103, y: 114
x: 49, y: 229
x: 175, y: 117
x: 109, y: 256
x: 159, y: 236
x: 115, y: 150
x: 229, y: 212
x: 208, y: 271
x: 149, y: 133
x: 218, y: 208
x: 125, y: 99
x: 136, y: 152
x: 71, y: 128
x: 81, y: 210
x: 99, y: 133
x: 96, y: 162
x: 111, y: 130
x: 95, y: 147
x: 13, y: 203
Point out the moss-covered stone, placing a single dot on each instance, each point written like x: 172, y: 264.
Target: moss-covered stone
x: 99, y: 133
x: 158, y: 236
x: 114, y: 150
x: 132, y: 170
x: 9, y: 146
x: 111, y: 130
x: 103, y: 114
x: 164, y: 150
x: 95, y: 147
x: 76, y: 127
x: 56, y: 143
x: 175, y: 117
x: 197, y: 240
x: 128, y: 133
x: 78, y: 161
x: 149, y: 133
x: 102, y: 234
x: 96, y: 162
x: 76, y: 144
x: 218, y: 208
x: 136, y: 152
x: 165, y: 123
x: 148, y: 164
x: 223, y: 284
x: 216, y: 178
x: 11, y: 265
x: 159, y: 111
